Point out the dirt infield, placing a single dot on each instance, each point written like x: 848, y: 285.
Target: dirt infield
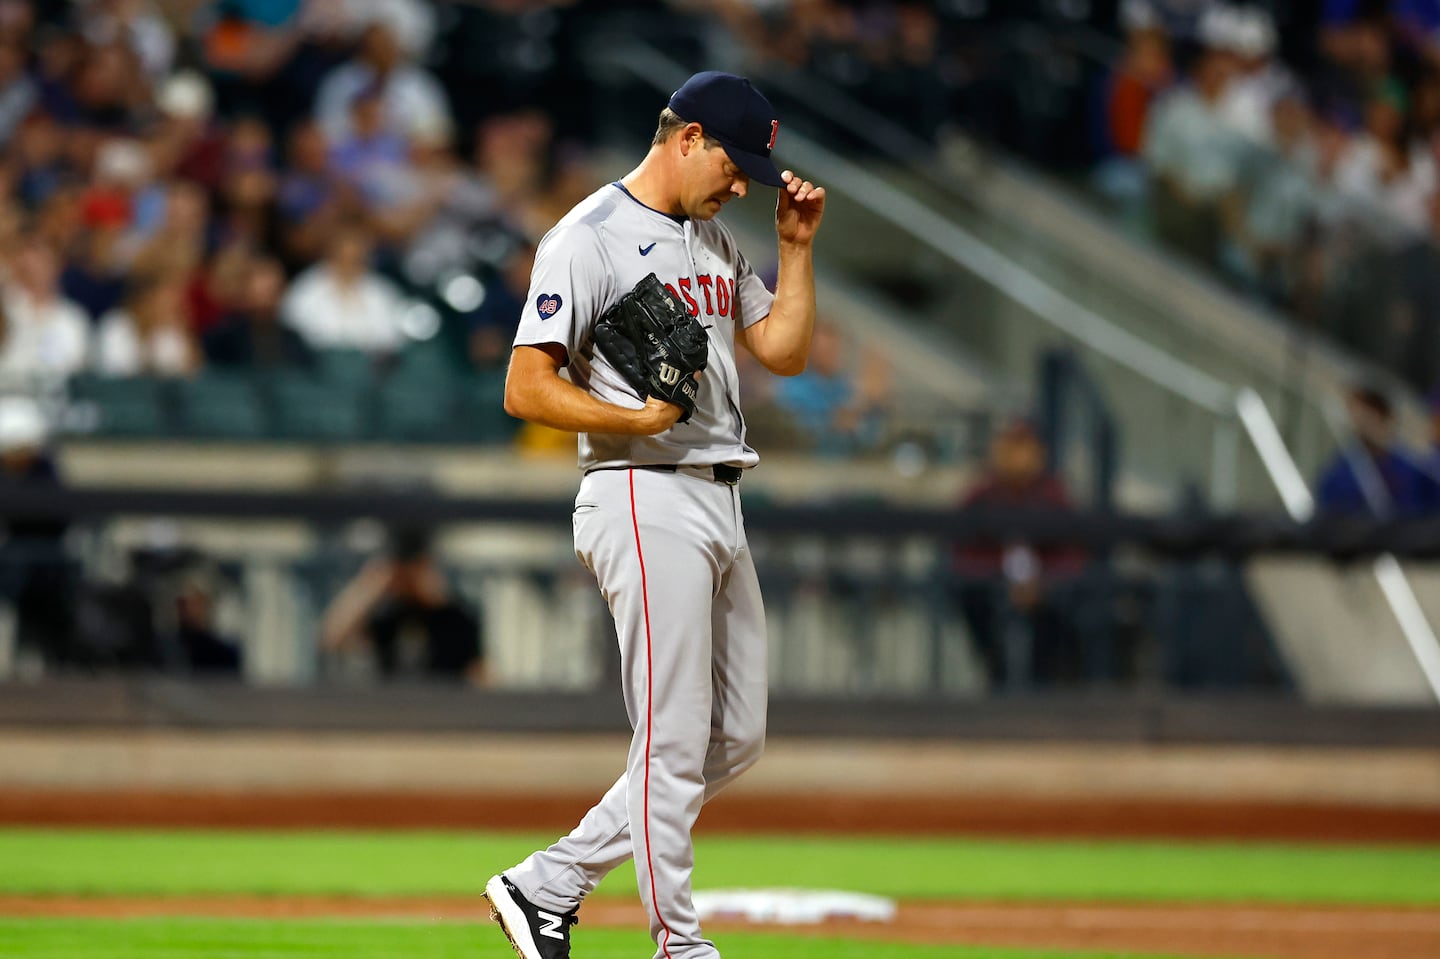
x: 788, y: 813
x: 1274, y: 932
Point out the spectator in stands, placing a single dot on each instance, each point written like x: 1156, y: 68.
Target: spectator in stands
x: 12, y: 233
x: 40, y: 161
x: 512, y: 154
x: 493, y: 323
x: 406, y: 198
x: 150, y: 335
x: 17, y: 21
x: 271, y: 55
x: 570, y: 179
x: 18, y: 92
x: 253, y: 337
x: 1425, y: 111
x: 1387, y: 171
x: 135, y: 25
x: 247, y: 191
x: 1429, y: 461
x: 95, y: 277
x: 1420, y: 363
x: 35, y: 574
x: 403, y: 606
x: 196, y: 637
x: 1373, y: 475
x: 443, y: 210
x: 340, y: 303
x: 179, y: 241
x: 1356, y: 42
x: 313, y: 199
x: 107, y: 94
x: 46, y: 335
x: 1179, y: 19
x: 217, y: 288
x: 887, y: 56
x: 58, y: 55
x: 1193, y: 159
x: 252, y: 37
x: 186, y: 143
x: 1281, y: 206
x: 1141, y: 76
x: 1248, y: 34
x: 368, y: 154
x: 841, y: 414
x: 1417, y: 23
x: 411, y: 22
x: 60, y: 221
x: 1009, y: 589
x: 125, y: 194
x: 407, y: 93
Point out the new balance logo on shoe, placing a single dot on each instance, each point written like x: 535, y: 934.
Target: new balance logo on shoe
x: 534, y: 932
x: 552, y: 924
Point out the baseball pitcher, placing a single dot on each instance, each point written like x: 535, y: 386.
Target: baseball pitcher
x: 642, y: 295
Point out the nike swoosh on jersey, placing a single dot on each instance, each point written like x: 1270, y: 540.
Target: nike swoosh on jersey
x: 645, y: 250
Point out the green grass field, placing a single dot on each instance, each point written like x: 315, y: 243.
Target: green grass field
x: 231, y: 939
x: 429, y: 863
x: 156, y: 863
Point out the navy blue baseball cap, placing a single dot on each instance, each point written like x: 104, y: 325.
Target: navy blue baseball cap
x: 732, y: 111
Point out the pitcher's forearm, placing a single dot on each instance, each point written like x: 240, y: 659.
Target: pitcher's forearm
x: 561, y: 405
x: 788, y: 328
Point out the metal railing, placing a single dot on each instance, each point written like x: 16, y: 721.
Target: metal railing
x: 1230, y: 405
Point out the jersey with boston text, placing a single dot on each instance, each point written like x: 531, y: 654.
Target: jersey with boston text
x: 597, y: 254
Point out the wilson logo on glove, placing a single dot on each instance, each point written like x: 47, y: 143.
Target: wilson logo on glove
x: 655, y: 344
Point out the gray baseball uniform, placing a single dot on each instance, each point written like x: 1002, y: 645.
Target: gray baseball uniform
x: 669, y: 552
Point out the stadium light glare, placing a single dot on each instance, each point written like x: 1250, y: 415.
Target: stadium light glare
x: 464, y: 293
x: 420, y: 321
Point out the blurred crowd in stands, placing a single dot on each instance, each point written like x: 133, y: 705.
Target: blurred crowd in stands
x: 1290, y: 148
x: 340, y: 200
x: 194, y: 187
x: 1376, y: 474
x: 1311, y: 184
x: 245, y: 184
x: 349, y: 189
x: 329, y: 204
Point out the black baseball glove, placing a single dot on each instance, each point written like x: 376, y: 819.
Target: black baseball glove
x: 655, y: 344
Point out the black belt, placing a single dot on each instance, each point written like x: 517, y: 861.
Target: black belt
x: 723, y: 473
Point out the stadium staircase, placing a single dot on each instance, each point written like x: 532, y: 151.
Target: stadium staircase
x: 973, y: 266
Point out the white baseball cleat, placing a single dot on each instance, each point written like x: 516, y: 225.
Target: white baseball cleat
x: 534, y: 932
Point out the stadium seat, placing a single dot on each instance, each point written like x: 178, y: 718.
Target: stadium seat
x: 305, y: 408
x: 222, y: 406
x: 351, y: 369
x: 120, y: 407
x: 425, y: 362
x: 413, y: 411
x: 482, y: 409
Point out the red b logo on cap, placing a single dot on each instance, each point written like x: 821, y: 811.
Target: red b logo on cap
x: 774, y: 131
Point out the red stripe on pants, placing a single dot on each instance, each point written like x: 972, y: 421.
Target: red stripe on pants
x: 649, y: 715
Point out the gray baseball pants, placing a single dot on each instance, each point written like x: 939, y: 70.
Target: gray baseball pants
x: 670, y: 555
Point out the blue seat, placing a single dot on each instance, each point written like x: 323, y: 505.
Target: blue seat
x: 415, y: 412
x: 312, y: 410
x: 482, y: 409
x: 120, y: 407
x: 350, y: 369
x: 221, y: 406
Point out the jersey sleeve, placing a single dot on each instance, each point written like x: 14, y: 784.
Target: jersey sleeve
x: 752, y: 299
x: 568, y: 287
